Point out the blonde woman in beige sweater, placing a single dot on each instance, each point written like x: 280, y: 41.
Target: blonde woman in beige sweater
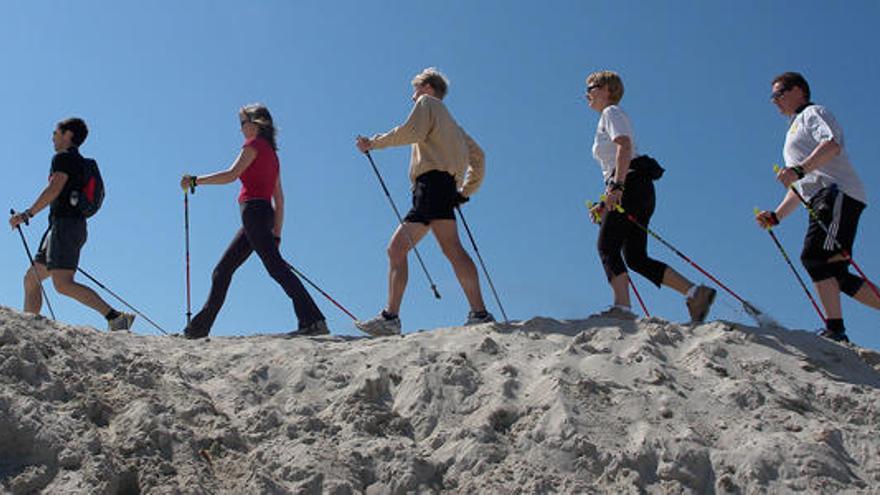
x: 446, y: 168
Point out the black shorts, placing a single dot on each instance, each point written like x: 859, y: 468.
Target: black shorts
x: 434, y: 198
x: 62, y: 243
x: 840, y: 213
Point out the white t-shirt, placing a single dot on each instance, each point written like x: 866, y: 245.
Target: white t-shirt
x: 814, y: 125
x: 613, y: 123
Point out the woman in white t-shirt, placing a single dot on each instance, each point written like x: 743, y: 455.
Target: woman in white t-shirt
x: 629, y: 180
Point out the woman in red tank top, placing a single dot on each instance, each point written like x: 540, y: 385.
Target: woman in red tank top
x: 258, y: 169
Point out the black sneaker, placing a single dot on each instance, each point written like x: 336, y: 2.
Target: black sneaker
x: 192, y: 334
x: 312, y: 330
x: 835, y: 336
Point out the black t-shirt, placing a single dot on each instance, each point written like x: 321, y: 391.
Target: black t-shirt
x: 69, y: 162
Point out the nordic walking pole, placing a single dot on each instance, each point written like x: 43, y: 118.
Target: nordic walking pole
x: 485, y: 272
x: 746, y: 305
x: 412, y: 243
x: 123, y: 301
x: 638, y: 296
x: 31, y: 259
x: 793, y: 269
x: 628, y: 279
x: 315, y: 286
x: 192, y: 188
x: 828, y: 233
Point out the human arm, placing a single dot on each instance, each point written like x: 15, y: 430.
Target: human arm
x: 415, y: 129
x: 614, y: 190
x: 821, y: 155
x: 476, y: 169
x: 768, y: 219
x: 278, y: 199
x: 56, y: 184
x: 241, y: 163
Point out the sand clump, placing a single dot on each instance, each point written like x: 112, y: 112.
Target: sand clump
x: 542, y: 406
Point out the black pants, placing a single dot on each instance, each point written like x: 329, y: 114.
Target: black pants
x: 258, y: 219
x: 618, y: 234
x: 840, y: 214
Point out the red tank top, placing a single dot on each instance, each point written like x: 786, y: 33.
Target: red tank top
x: 258, y: 180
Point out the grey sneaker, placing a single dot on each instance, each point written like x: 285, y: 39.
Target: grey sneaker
x: 698, y: 306
x: 312, y: 330
x: 122, y: 322
x: 477, y: 317
x: 617, y: 313
x: 380, y: 326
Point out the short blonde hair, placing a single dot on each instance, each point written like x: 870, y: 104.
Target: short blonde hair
x: 434, y: 78
x: 609, y: 79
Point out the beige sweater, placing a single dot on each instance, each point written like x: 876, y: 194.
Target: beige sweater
x: 438, y: 143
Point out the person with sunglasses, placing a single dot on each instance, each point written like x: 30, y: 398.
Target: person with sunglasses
x: 629, y: 180
x: 258, y: 168
x: 818, y: 169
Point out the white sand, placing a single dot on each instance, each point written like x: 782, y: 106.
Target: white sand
x: 546, y: 406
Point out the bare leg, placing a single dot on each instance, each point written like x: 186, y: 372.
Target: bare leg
x: 829, y: 294
x: 447, y: 236
x: 620, y: 288
x: 398, y: 270
x: 33, y: 295
x: 867, y: 297
x: 64, y: 284
x: 676, y: 281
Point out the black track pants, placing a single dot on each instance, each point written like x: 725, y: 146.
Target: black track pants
x: 258, y: 219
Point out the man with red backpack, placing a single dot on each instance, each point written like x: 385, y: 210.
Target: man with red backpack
x: 70, y: 197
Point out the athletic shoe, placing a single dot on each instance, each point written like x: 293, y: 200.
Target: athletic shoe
x: 617, y: 313
x: 380, y: 326
x: 122, y: 322
x: 477, y: 317
x: 698, y: 305
x: 835, y: 336
x: 312, y: 330
x: 192, y: 334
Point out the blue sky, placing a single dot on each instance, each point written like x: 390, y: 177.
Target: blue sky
x: 160, y: 84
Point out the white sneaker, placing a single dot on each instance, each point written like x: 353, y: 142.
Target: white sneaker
x: 617, y: 312
x: 122, y: 322
x: 380, y: 326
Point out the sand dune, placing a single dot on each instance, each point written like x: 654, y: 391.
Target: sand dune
x: 543, y: 406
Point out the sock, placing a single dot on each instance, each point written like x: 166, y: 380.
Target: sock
x: 111, y: 314
x: 388, y: 316
x: 480, y: 314
x: 835, y: 325
x: 691, y: 292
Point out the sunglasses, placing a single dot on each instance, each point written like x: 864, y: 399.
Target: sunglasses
x: 592, y: 87
x: 776, y: 95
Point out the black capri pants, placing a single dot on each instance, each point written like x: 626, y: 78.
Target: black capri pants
x: 619, y: 235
